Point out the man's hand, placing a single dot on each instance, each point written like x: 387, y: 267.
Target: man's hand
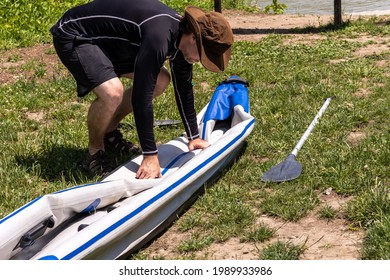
x: 198, y: 143
x: 150, y: 168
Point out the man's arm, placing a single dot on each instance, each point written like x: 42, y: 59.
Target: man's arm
x: 182, y: 82
x: 149, y: 61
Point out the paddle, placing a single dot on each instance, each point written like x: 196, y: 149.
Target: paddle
x: 156, y: 123
x: 165, y: 122
x: 290, y: 168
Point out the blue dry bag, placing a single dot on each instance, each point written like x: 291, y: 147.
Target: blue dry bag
x: 228, y: 94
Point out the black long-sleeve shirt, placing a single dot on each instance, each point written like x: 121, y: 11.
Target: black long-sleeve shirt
x: 143, y: 33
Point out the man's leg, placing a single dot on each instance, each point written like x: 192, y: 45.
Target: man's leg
x: 109, y: 96
x: 125, y: 107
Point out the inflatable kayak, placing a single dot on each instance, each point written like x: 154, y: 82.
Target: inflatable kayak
x: 115, y: 217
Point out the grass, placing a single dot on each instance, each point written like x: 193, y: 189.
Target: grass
x: 43, y: 137
x: 195, y: 243
x: 260, y: 233
x: 371, y: 206
x: 377, y: 242
x: 291, y: 205
x: 281, y: 251
x: 327, y: 213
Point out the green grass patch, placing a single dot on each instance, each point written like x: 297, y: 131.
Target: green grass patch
x: 260, y: 233
x: 281, y: 251
x: 327, y: 212
x: 289, y: 204
x: 370, y: 206
x: 220, y: 214
x: 195, y: 243
x: 377, y: 241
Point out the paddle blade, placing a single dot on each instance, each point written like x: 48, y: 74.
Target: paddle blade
x: 285, y: 171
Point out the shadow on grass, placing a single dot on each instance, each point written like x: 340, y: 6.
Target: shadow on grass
x: 307, y: 30
x: 383, y: 23
x: 55, y: 164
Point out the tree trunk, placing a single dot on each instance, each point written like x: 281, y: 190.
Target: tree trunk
x: 338, y: 20
x: 218, y: 6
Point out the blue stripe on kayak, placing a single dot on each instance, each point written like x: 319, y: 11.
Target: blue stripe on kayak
x: 19, y: 210
x: 81, y: 186
x: 173, y: 162
x: 153, y: 199
x: 49, y: 258
x: 38, y: 198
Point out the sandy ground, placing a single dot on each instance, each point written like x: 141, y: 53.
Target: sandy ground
x: 253, y: 27
x: 323, y: 239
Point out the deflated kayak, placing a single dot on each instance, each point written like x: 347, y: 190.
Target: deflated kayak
x: 115, y: 217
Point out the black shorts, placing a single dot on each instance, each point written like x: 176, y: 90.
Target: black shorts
x: 88, y: 63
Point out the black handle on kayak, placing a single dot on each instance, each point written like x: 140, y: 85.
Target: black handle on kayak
x: 33, y: 234
x: 236, y: 79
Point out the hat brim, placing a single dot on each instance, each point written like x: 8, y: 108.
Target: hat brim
x: 208, y: 60
x: 215, y: 63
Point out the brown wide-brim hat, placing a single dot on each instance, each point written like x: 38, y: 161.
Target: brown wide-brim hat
x: 214, y: 37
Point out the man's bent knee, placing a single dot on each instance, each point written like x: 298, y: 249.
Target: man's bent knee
x: 110, y: 91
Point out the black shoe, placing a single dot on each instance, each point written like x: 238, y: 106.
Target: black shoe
x: 97, y: 164
x: 114, y: 141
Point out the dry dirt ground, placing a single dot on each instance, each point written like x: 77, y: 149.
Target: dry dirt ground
x: 323, y: 239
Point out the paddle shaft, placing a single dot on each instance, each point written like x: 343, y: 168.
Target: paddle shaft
x: 311, y: 126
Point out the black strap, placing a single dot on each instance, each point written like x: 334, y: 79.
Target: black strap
x: 235, y: 79
x: 34, y: 233
x: 35, y: 247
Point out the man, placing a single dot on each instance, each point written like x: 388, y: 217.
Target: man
x: 104, y: 40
